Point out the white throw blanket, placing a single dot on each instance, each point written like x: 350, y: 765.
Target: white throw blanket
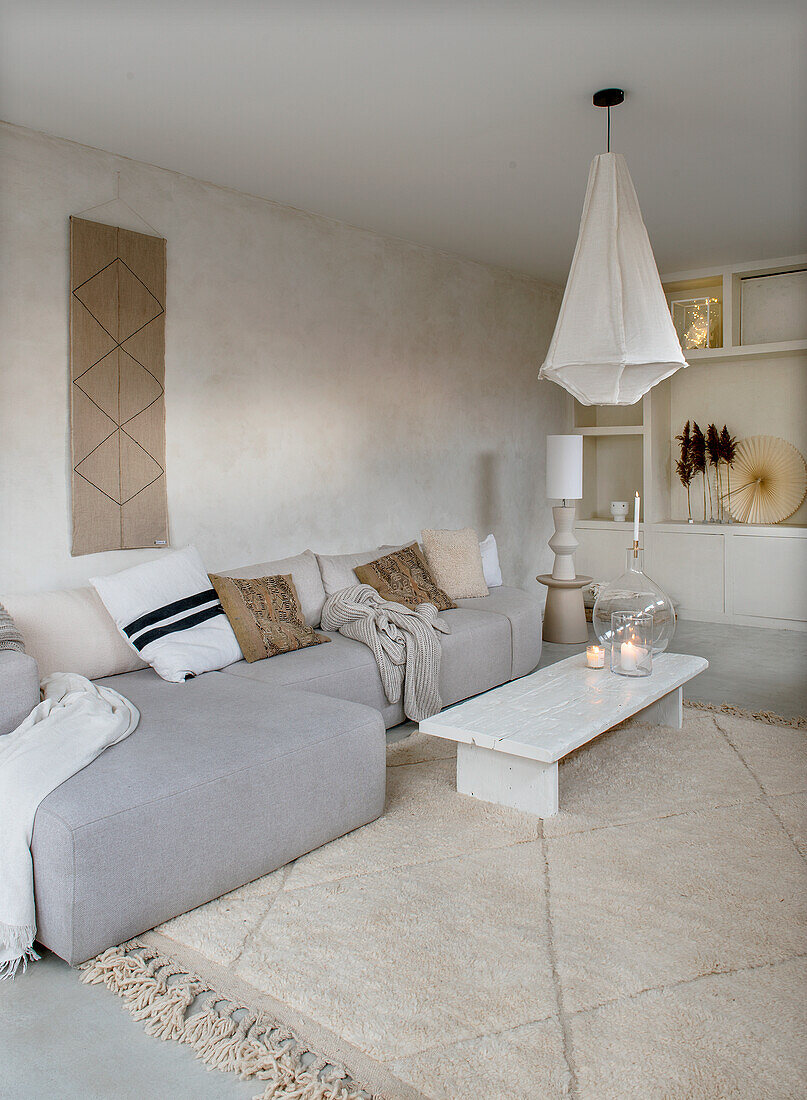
x: 404, y: 643
x: 72, y: 725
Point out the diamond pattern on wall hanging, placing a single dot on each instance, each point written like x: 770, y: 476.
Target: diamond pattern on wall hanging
x: 117, y: 373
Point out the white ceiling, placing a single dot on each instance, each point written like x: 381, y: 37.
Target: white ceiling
x: 464, y: 125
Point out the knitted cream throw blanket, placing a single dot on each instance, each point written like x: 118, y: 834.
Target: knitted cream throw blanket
x: 404, y: 644
x: 10, y: 637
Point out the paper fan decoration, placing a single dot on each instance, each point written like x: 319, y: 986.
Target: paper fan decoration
x: 768, y: 480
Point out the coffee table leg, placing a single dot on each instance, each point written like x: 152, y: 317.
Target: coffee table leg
x: 515, y: 781
x: 666, y: 711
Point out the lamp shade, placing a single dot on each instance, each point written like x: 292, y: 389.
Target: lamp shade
x: 564, y: 467
x: 614, y: 338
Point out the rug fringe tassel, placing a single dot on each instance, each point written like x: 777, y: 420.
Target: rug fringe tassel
x: 768, y: 716
x: 159, y: 995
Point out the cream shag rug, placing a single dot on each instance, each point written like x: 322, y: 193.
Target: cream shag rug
x: 649, y: 942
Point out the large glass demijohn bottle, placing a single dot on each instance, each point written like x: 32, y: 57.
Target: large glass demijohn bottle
x: 635, y: 592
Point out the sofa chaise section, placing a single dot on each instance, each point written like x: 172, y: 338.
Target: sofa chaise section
x: 224, y: 780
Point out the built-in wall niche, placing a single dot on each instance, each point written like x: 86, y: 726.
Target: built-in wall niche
x: 696, y: 306
x: 612, y: 470
x: 773, y: 307
x: 748, y: 310
x: 758, y: 397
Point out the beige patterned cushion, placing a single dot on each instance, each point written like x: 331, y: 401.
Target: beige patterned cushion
x: 404, y: 577
x: 455, y: 561
x: 265, y: 615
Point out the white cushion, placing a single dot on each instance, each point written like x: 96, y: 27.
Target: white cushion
x: 71, y: 631
x: 304, y: 572
x: 169, y: 612
x: 490, y: 562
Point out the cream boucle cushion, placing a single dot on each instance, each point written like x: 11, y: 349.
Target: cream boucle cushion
x: 71, y: 631
x: 455, y: 561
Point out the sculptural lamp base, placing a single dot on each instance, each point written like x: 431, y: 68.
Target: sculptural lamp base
x: 563, y: 542
x: 564, y: 614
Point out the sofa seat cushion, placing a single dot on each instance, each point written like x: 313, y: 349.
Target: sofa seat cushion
x: 223, y: 781
x: 476, y: 654
x: 524, y: 612
x: 345, y: 669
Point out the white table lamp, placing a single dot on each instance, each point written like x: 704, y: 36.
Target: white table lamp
x: 564, y: 615
x: 564, y: 482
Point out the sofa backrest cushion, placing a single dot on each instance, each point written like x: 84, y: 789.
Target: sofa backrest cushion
x: 71, y: 631
x: 305, y: 574
x: 337, y: 569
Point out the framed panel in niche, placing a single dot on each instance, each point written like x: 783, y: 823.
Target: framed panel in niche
x: 117, y: 399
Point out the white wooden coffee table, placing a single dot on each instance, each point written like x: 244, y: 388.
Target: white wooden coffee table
x: 510, y: 739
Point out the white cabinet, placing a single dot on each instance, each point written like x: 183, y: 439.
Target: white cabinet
x: 690, y: 567
x: 602, y: 550
x: 769, y: 576
x: 732, y: 573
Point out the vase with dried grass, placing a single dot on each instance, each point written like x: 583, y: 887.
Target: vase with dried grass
x: 728, y: 452
x: 684, y: 466
x: 697, y: 447
x: 713, y: 455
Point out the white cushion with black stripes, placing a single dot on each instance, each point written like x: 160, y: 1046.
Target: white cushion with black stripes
x: 168, y: 611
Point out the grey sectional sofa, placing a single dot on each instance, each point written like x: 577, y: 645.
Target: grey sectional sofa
x: 232, y: 774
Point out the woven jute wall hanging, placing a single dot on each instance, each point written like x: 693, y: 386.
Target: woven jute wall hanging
x: 117, y: 374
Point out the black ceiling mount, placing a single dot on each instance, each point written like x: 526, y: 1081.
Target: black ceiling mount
x: 608, y: 97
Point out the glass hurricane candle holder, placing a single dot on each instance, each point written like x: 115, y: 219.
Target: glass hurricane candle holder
x: 631, y: 644
x: 635, y: 592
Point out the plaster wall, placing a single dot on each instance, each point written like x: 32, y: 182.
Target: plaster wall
x: 326, y: 387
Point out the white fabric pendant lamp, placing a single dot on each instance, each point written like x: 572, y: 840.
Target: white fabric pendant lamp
x: 614, y: 338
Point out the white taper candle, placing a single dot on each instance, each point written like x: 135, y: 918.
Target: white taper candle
x: 636, y: 504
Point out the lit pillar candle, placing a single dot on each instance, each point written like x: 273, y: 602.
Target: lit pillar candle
x: 631, y: 656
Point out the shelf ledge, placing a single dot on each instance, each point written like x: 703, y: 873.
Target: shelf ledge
x: 613, y: 429
x: 747, y: 351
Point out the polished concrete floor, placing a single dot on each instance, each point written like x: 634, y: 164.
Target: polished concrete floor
x: 748, y: 666
x: 59, y: 1038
